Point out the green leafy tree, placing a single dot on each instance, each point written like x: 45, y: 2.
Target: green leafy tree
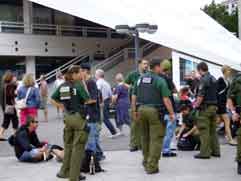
x: 220, y: 14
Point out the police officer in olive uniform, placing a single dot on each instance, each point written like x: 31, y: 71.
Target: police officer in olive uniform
x: 71, y: 97
x: 131, y: 79
x: 150, y: 95
x: 206, y: 104
x: 234, y: 103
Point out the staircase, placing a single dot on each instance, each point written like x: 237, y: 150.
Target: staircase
x: 123, y: 61
x: 63, y: 68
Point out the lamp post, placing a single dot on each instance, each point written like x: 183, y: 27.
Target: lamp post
x: 135, y: 31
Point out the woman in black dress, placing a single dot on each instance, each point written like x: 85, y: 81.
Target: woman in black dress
x: 223, y: 85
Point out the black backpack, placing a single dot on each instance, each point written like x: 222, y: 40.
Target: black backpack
x: 90, y: 164
x: 186, y: 144
x: 12, y: 140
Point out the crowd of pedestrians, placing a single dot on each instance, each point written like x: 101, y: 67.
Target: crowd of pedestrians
x: 146, y: 101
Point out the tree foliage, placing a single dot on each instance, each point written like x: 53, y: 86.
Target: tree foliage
x: 221, y: 15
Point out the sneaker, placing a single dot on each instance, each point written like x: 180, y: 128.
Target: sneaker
x: 169, y: 154
x: 115, y: 135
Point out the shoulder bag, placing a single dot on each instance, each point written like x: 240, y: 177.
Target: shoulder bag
x: 22, y: 103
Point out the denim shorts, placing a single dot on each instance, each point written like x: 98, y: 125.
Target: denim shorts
x: 28, y: 156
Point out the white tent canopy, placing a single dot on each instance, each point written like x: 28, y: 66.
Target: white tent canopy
x: 180, y: 26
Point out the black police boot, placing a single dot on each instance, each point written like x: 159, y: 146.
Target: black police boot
x: 81, y: 177
x: 133, y: 149
x: 198, y: 156
x: 239, y: 168
x: 216, y: 155
x: 59, y: 175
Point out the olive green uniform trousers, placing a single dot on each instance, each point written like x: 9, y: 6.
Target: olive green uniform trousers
x: 152, y: 134
x: 206, y: 123
x: 135, y: 134
x: 239, y: 145
x: 75, y: 138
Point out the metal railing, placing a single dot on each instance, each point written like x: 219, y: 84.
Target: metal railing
x: 59, y: 30
x: 83, y: 56
x: 120, y: 56
x: 111, y: 61
x: 149, y: 47
x: 105, y: 65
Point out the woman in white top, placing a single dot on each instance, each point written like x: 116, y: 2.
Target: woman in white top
x: 59, y: 80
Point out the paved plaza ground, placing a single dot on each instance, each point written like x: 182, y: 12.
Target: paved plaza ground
x: 120, y: 164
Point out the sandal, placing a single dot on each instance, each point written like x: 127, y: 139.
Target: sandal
x: 3, y: 139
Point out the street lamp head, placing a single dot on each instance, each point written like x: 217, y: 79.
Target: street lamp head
x: 123, y: 29
x: 152, y: 29
x: 143, y: 27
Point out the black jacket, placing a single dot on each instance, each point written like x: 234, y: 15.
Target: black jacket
x: 25, y: 141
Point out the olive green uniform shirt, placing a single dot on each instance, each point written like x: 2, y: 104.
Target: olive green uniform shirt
x: 81, y: 95
x: 159, y: 83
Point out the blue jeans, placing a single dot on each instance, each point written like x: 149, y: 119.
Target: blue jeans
x: 93, y: 137
x: 106, y: 113
x: 28, y: 156
x: 170, y: 130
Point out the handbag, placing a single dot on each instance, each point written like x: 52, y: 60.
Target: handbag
x: 9, y: 109
x: 22, y: 103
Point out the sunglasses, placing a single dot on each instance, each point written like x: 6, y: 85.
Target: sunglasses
x: 35, y: 122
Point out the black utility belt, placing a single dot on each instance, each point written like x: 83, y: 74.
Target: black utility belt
x: 73, y: 112
x: 149, y: 105
x: 160, y: 109
x: 204, y: 106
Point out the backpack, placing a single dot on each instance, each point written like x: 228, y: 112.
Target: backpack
x: 90, y: 164
x: 186, y: 144
x: 12, y: 140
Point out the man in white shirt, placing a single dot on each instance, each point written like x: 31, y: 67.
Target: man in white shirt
x: 105, y: 89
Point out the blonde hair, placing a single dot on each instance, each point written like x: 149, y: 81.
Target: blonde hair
x: 119, y: 77
x: 226, y: 68
x: 28, y: 80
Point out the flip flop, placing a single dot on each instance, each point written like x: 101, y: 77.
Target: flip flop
x: 3, y: 139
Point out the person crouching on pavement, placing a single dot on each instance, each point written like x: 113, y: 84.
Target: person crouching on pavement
x: 188, y: 133
x: 27, y: 146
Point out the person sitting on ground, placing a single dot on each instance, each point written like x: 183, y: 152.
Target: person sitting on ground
x: 27, y: 146
x: 188, y: 131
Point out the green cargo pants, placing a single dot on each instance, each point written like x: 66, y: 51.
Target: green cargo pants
x: 75, y: 138
x: 152, y: 134
x: 239, y: 145
x: 135, y: 135
x: 206, y: 123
